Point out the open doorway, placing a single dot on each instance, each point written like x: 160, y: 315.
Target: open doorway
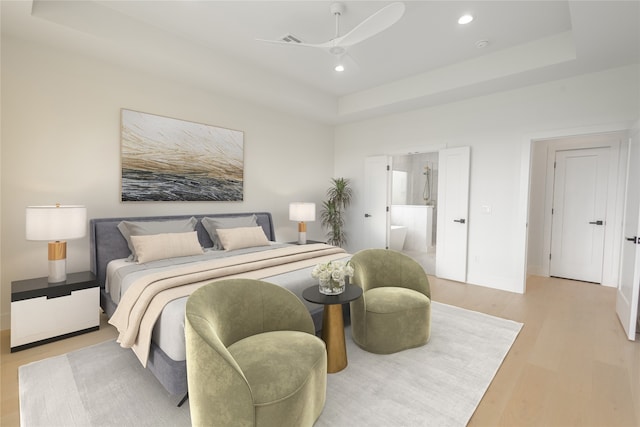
x: 414, y: 195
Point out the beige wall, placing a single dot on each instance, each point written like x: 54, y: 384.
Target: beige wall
x: 61, y: 142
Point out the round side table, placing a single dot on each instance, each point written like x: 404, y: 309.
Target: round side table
x: 333, y: 322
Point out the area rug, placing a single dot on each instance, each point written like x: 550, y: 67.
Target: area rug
x: 439, y: 384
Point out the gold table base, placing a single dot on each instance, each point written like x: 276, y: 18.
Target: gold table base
x: 333, y: 336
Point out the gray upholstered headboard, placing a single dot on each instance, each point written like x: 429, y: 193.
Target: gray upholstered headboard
x: 107, y: 243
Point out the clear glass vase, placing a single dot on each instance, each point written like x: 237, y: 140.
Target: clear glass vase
x: 332, y: 287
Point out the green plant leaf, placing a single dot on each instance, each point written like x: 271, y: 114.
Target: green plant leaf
x: 331, y: 215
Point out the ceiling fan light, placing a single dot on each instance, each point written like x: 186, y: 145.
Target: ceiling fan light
x: 465, y: 19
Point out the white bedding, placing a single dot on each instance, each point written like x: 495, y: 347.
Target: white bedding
x: 168, y: 331
x: 122, y: 272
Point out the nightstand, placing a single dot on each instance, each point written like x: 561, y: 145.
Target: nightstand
x: 308, y: 242
x: 42, y: 312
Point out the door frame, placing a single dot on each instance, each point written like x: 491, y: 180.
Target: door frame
x: 568, y: 140
x: 415, y: 150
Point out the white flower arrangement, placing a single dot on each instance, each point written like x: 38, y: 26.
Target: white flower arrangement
x: 332, y: 275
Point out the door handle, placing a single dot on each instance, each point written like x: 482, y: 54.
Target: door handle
x: 367, y: 215
x: 598, y: 222
x: 461, y: 220
x: 633, y: 239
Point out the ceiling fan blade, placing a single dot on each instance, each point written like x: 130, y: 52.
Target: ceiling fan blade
x: 325, y: 45
x: 379, y: 21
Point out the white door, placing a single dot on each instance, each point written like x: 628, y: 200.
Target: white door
x: 579, y: 214
x: 377, y: 190
x: 453, y: 208
x: 628, y: 290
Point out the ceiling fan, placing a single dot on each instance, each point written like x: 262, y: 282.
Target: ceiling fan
x: 374, y: 24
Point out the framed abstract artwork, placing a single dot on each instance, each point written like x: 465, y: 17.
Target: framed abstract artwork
x: 165, y: 159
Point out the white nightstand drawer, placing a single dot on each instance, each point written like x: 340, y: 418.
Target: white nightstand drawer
x: 39, y: 318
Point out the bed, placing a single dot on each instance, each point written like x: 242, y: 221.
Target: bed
x: 144, y: 287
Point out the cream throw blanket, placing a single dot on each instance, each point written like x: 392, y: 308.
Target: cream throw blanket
x: 143, y: 302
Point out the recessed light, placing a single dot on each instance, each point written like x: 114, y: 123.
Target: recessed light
x: 339, y: 68
x: 482, y: 44
x: 465, y: 19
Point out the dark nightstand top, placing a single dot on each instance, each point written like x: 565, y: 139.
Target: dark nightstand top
x: 351, y: 292
x: 40, y: 287
x: 309, y: 242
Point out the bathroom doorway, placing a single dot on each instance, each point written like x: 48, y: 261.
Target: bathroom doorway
x: 414, y: 195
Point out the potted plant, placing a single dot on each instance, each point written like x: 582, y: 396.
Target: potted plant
x: 332, y: 213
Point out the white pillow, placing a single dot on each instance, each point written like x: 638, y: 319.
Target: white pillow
x: 153, y: 247
x: 242, y: 237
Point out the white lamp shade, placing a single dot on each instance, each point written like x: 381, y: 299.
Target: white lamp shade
x: 56, y: 222
x: 301, y: 211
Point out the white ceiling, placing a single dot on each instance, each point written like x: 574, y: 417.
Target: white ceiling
x: 425, y: 59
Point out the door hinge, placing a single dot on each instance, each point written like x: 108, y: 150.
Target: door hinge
x: 387, y: 208
x: 549, y: 256
x: 551, y: 211
x: 554, y: 165
x: 388, y: 167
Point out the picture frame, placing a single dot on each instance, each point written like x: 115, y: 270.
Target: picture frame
x: 166, y: 159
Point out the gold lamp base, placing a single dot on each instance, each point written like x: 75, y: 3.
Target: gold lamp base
x: 302, y: 233
x: 57, y: 261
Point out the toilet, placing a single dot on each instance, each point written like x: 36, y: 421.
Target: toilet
x: 397, y: 235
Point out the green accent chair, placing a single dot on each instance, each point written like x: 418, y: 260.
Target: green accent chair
x: 394, y: 312
x: 252, y: 356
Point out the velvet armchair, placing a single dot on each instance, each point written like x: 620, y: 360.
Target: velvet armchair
x: 252, y: 356
x: 394, y: 312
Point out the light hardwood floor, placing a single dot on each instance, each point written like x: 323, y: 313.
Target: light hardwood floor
x: 571, y: 365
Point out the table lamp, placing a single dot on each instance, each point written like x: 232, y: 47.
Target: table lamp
x: 56, y: 224
x: 300, y: 211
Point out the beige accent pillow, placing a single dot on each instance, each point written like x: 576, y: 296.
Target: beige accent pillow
x: 242, y: 237
x: 137, y: 228
x: 212, y: 224
x: 166, y: 245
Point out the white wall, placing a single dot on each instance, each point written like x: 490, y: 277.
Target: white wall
x: 497, y: 128
x: 61, y: 143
